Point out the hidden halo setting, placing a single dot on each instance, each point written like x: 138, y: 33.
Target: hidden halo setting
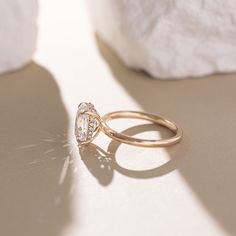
x: 88, y: 124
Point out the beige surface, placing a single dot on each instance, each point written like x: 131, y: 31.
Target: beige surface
x: 47, y: 189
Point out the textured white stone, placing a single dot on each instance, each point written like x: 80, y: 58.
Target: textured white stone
x: 170, y: 38
x: 17, y: 33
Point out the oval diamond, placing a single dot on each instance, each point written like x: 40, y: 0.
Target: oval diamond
x: 85, y: 124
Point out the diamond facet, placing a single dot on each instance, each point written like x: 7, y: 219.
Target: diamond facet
x: 82, y: 124
x: 83, y: 106
x: 85, y: 124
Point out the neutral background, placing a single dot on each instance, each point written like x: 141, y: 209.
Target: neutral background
x: 49, y: 187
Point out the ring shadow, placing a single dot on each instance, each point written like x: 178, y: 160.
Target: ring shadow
x: 102, y: 164
x: 205, y: 109
x: 35, y: 158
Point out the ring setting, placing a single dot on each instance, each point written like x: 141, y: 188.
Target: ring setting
x: 89, y: 123
x: 86, y: 124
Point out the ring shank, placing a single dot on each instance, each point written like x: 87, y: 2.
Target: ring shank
x: 156, y: 119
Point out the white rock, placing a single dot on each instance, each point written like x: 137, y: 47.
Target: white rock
x: 17, y: 33
x: 170, y: 38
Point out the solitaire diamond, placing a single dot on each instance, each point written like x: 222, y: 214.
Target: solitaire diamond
x: 85, y: 124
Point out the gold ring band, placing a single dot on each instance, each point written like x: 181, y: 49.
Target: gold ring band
x: 143, y: 116
x: 89, y: 123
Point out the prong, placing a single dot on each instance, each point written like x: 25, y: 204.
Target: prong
x: 94, y: 115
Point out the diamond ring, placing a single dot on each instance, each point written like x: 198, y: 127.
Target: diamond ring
x: 89, y: 123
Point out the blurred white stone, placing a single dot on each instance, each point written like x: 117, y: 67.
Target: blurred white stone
x: 170, y: 38
x: 17, y: 33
